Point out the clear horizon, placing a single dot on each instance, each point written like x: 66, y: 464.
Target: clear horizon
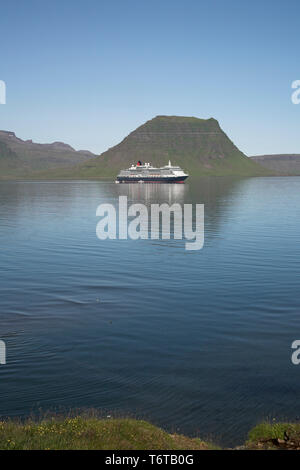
x: 89, y: 73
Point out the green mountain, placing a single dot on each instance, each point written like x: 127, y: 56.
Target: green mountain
x: 280, y: 164
x: 197, y: 145
x: 20, y: 158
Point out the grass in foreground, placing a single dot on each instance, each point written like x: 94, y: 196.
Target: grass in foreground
x: 275, y: 436
x: 92, y: 433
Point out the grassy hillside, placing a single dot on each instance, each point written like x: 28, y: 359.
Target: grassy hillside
x: 285, y: 436
x: 280, y: 164
x: 197, y: 145
x: 8, y: 159
x: 19, y: 158
x: 92, y: 433
x: 102, y: 434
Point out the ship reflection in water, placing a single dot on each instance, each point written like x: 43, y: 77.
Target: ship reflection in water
x: 154, y: 193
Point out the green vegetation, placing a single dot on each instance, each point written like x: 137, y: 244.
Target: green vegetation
x: 19, y: 158
x: 198, y: 145
x: 274, y: 435
x: 92, y: 433
x: 280, y: 164
x: 268, y: 431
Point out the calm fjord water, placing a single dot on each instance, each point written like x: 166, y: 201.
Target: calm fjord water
x: 198, y: 342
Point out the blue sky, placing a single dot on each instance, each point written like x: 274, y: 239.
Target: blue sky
x: 89, y: 72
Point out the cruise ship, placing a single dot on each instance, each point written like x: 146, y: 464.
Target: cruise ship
x: 146, y: 173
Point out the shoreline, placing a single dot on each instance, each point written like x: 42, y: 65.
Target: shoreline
x: 84, y: 432
x: 109, y: 179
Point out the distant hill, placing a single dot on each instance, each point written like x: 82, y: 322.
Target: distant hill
x: 20, y: 158
x: 288, y: 164
x: 198, y: 145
